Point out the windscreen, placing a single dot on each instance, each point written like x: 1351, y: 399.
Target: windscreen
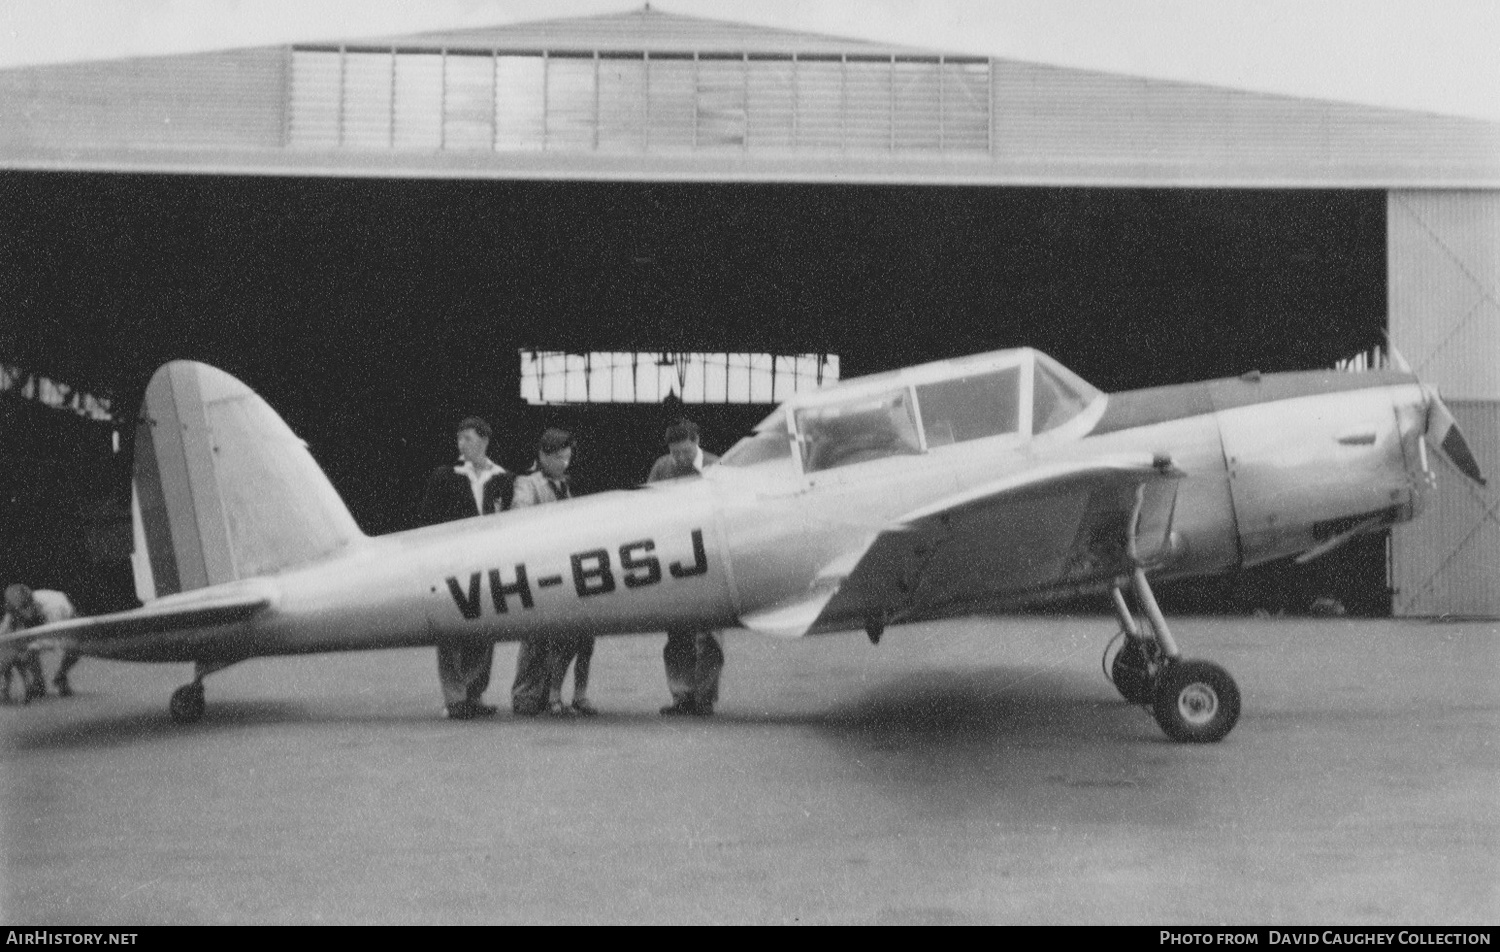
x: 1054, y: 402
x: 857, y: 430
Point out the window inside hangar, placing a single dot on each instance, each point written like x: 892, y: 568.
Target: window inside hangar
x: 554, y: 377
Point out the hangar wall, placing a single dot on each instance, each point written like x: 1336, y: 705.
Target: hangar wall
x: 654, y: 96
x: 1443, y: 252
x: 749, y: 104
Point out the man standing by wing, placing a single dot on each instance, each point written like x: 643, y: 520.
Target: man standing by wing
x: 542, y: 665
x: 694, y: 658
x: 476, y: 486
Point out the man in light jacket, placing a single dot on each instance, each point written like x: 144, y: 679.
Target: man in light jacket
x: 542, y: 665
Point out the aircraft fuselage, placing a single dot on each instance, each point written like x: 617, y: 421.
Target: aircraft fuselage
x: 1273, y: 466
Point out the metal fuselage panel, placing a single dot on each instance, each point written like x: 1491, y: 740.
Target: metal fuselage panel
x: 1301, y: 469
x: 1204, y: 529
x: 1303, y: 456
x: 605, y: 564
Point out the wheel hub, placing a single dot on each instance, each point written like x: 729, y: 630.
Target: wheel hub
x: 1197, y: 703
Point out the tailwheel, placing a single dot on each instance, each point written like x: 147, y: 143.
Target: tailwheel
x: 1196, y: 701
x: 1133, y: 670
x: 187, y: 703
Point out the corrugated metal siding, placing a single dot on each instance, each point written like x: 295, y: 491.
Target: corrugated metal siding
x: 1055, y: 116
x: 1444, y: 274
x: 228, y: 100
x: 1443, y: 266
x: 1447, y: 562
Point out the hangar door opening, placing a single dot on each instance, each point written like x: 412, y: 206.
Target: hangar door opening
x: 373, y: 313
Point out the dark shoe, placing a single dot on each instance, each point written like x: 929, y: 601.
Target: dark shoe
x: 583, y: 708
x: 527, y: 710
x: 461, y: 711
x: 701, y: 709
x: 676, y: 708
x: 64, y: 689
x: 483, y: 710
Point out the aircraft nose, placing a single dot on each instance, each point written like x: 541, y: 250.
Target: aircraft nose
x: 1444, y: 436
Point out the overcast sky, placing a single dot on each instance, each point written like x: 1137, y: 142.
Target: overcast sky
x: 1432, y: 55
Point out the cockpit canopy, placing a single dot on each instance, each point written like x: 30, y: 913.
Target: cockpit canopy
x: 1013, y: 394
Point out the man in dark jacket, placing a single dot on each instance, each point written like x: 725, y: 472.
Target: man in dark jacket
x: 477, y: 486
x: 694, y: 658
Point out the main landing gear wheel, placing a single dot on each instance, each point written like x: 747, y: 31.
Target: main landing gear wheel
x: 1133, y: 670
x: 1193, y: 701
x: 187, y: 703
x: 1196, y: 701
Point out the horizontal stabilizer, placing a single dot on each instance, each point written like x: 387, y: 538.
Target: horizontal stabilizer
x: 161, y: 616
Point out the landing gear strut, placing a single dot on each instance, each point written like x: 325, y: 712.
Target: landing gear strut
x: 1192, y: 701
x: 186, y: 706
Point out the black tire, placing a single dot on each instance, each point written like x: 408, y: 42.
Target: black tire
x: 1132, y: 671
x: 187, y: 705
x: 1196, y: 702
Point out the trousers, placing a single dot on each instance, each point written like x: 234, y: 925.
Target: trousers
x: 464, y: 669
x: 694, y: 661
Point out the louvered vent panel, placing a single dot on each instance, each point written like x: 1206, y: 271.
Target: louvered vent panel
x: 571, y: 104
x: 419, y: 101
x: 771, y: 103
x: 622, y: 104
x: 868, y: 105
x: 369, y: 79
x: 721, y: 103
x: 469, y: 102
x: 520, y: 91
x: 672, y: 109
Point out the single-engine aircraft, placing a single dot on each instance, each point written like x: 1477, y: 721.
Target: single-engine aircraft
x: 987, y: 482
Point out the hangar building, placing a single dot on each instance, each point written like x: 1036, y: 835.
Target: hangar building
x: 1142, y: 231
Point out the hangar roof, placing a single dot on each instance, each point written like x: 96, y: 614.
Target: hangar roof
x: 647, y: 95
x: 643, y: 29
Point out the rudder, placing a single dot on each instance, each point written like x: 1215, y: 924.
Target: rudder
x: 224, y: 490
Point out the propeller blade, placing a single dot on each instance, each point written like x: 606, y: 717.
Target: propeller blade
x: 1394, y: 357
x: 1445, y: 437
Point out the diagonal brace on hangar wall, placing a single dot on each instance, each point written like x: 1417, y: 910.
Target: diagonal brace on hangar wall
x: 1444, y: 309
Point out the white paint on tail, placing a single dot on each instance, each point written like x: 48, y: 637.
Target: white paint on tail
x: 224, y: 489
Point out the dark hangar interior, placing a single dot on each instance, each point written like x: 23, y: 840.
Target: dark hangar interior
x: 373, y: 313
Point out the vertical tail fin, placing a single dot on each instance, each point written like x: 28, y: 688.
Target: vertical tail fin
x: 224, y: 489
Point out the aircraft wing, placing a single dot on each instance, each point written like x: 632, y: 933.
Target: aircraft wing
x: 157, y: 622
x: 1054, y: 527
